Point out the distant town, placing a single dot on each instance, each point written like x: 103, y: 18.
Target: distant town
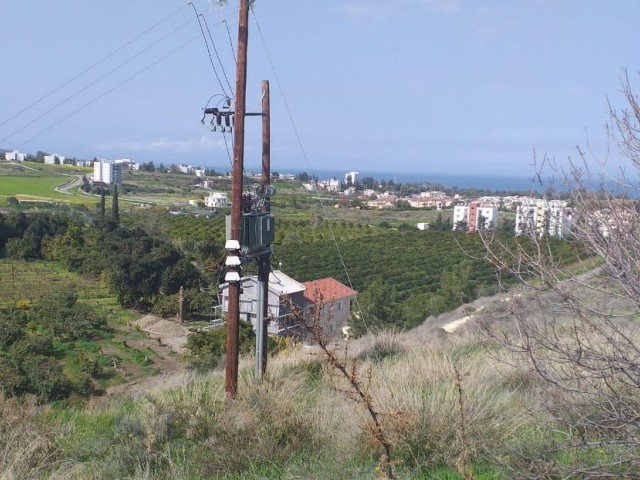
x: 544, y: 216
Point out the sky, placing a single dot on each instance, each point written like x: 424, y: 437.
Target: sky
x: 471, y: 87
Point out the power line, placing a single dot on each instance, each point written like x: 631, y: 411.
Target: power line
x: 306, y: 159
x: 139, y: 72
x: 91, y: 67
x: 230, y: 40
x: 91, y: 84
x: 216, y: 52
x: 206, y: 43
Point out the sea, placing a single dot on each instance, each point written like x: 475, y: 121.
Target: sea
x: 481, y: 182
x: 488, y: 183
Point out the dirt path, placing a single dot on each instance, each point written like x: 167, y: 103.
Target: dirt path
x: 167, y: 340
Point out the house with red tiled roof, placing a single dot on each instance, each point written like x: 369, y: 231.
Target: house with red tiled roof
x: 329, y: 302
x: 326, y: 299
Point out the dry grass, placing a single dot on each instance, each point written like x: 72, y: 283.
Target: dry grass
x: 298, y: 423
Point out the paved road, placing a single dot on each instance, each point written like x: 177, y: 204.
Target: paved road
x: 74, y: 181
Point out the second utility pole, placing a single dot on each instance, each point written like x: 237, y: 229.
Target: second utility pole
x: 264, y: 265
x: 233, y: 275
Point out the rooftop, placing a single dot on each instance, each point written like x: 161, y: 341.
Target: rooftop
x: 328, y: 289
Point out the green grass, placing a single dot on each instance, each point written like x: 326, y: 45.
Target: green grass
x: 31, y: 186
x: 28, y: 281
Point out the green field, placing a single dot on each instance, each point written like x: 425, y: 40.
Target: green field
x: 28, y: 281
x: 31, y: 186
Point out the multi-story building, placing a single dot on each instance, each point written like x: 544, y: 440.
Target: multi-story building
x: 351, y: 177
x: 109, y: 173
x: 475, y: 216
x: 326, y: 301
x: 543, y: 217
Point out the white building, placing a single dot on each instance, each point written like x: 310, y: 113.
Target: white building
x: 476, y: 216
x: 217, y: 200
x: 351, y: 177
x: 281, y: 289
x: 15, y: 156
x: 199, y: 172
x: 107, y: 172
x: 333, y: 185
x: 51, y: 159
x: 433, y: 194
x: 326, y: 301
x: 460, y: 214
x: 543, y: 217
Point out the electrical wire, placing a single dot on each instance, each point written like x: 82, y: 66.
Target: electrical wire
x: 139, y: 72
x: 233, y: 51
x: 224, y: 72
x: 91, y: 67
x: 206, y: 43
x: 224, y: 136
x: 94, y: 82
x: 306, y: 160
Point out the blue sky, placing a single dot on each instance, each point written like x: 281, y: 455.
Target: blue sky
x: 430, y: 86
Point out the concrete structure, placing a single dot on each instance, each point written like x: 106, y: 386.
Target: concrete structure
x: 51, y: 159
x: 476, y: 216
x: 328, y: 302
x: 109, y: 173
x: 543, y: 217
x: 217, y: 200
x: 382, y: 202
x: 333, y: 185
x: 15, y: 156
x: 281, y: 289
x: 431, y: 202
x: 351, y: 177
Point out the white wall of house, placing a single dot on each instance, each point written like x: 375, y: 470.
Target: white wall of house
x: 107, y: 172
x: 51, y: 159
x: 460, y: 214
x: 15, y: 156
x: 216, y: 200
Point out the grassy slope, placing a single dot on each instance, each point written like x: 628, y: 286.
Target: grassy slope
x: 23, y: 283
x: 36, y: 182
x: 300, y: 424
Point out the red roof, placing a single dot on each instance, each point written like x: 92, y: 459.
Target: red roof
x: 328, y: 289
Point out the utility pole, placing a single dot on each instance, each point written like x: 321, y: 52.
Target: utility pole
x: 181, y: 306
x: 264, y: 266
x: 233, y: 245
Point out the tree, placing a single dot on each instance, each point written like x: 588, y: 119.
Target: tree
x: 101, y: 209
x: 40, y: 154
x: 462, y: 225
x: 115, y: 208
x: 580, y: 335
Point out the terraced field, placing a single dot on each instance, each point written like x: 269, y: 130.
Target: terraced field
x: 28, y: 281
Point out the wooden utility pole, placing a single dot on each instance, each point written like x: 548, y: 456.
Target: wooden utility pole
x: 181, y: 306
x: 264, y: 266
x: 233, y: 245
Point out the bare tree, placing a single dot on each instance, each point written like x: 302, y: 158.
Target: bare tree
x: 579, y: 332
x: 314, y: 325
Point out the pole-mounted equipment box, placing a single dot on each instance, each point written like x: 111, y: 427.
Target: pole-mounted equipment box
x: 257, y: 232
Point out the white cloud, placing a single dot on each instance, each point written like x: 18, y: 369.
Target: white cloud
x: 204, y: 143
x: 366, y: 13
x: 445, y: 7
x: 379, y: 11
